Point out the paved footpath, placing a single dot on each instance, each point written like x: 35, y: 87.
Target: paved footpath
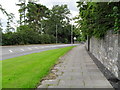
x: 76, y: 70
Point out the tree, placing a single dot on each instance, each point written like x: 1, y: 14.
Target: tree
x: 94, y: 18
x: 40, y: 25
x: 22, y: 10
x: 59, y: 15
x: 0, y: 26
x: 3, y: 10
x: 27, y: 35
x: 0, y: 33
x: 9, y: 18
x: 9, y: 21
x: 35, y: 14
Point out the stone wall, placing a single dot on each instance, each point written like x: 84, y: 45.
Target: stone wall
x: 107, y: 51
x: 119, y: 55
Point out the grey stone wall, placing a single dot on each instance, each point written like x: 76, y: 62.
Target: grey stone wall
x: 86, y: 44
x: 119, y: 55
x: 107, y: 51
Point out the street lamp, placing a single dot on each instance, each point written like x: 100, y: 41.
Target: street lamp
x: 75, y: 39
x: 71, y: 34
x: 56, y: 33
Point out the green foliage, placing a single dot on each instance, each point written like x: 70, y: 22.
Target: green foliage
x: 77, y: 34
x: 22, y: 13
x: 26, y: 35
x: 96, y: 18
x: 59, y: 15
x: 35, y: 14
x: 38, y: 25
x: 116, y: 16
x: 0, y: 33
x: 46, y: 39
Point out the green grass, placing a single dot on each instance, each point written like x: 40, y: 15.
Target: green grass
x: 27, y: 71
x: 0, y: 75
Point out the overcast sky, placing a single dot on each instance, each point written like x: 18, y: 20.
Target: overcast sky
x: 10, y: 6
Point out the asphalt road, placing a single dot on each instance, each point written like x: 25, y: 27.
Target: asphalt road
x: 7, y: 52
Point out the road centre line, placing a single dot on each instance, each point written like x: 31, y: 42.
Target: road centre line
x: 22, y: 49
x: 36, y: 47
x: 29, y: 48
x: 10, y: 51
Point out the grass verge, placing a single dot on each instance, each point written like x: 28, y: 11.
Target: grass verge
x: 26, y: 71
x: 0, y: 68
x: 0, y: 75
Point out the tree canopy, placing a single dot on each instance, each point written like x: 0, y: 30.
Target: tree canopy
x: 95, y: 18
x: 39, y: 24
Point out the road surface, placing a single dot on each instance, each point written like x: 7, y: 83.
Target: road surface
x: 14, y: 51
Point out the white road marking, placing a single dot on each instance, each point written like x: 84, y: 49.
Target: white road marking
x: 10, y: 51
x: 29, y: 48
x: 22, y: 49
x: 36, y: 47
x: 53, y: 46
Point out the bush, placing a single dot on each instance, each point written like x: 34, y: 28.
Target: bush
x: 46, y: 39
x: 26, y: 35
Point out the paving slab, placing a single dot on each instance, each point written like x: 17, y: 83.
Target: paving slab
x: 77, y: 70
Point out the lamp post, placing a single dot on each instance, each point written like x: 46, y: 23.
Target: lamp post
x: 56, y: 33
x: 71, y: 34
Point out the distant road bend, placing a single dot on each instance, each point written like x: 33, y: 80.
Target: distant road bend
x: 14, y: 51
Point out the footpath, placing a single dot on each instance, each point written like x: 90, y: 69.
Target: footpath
x: 76, y: 70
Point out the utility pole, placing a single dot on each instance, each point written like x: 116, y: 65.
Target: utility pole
x: 56, y: 34
x: 71, y: 34
x: 41, y: 28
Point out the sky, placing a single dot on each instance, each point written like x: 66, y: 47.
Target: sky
x: 10, y: 6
